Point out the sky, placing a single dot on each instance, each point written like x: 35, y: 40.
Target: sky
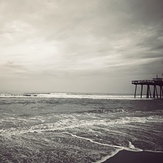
x: 79, y: 45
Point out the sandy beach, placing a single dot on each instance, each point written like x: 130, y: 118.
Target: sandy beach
x: 136, y: 157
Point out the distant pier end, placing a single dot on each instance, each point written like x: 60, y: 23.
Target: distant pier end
x: 154, y: 88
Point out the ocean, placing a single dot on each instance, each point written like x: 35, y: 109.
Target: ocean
x: 77, y: 128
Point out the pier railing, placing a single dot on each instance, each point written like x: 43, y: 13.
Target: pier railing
x: 147, y: 82
x: 142, y: 81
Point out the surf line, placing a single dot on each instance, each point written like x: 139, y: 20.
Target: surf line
x: 119, y: 148
x: 104, y: 144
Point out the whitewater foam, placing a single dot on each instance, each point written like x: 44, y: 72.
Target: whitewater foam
x: 69, y: 95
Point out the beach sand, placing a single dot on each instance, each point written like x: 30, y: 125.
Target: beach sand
x: 136, y: 157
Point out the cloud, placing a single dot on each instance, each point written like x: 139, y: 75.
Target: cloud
x: 80, y: 38
x: 11, y: 69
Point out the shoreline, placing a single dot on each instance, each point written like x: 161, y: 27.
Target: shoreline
x: 135, y: 157
x: 105, y: 158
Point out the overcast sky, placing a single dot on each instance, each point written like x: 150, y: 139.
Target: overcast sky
x: 79, y: 45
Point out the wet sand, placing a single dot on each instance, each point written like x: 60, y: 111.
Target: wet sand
x: 136, y: 157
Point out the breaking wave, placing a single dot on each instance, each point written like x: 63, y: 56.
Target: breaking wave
x: 68, y: 95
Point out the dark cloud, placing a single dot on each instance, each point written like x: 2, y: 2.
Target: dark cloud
x: 147, y: 10
x: 159, y: 47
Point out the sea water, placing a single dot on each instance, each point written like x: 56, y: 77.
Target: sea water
x: 78, y: 128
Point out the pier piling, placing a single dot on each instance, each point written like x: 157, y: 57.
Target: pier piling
x: 141, y: 91
x: 135, y: 91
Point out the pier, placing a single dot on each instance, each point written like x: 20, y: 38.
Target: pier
x: 154, y: 88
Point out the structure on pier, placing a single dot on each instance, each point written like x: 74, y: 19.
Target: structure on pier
x: 154, y: 88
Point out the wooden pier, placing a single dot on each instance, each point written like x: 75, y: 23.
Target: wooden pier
x: 154, y: 88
